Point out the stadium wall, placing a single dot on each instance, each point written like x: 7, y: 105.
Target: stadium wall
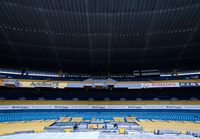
x: 56, y: 102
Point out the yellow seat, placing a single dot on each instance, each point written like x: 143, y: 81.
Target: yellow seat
x: 92, y: 126
x: 170, y: 125
x: 36, y: 126
x: 121, y: 130
x: 68, y: 129
x: 130, y: 119
x: 119, y: 119
x: 38, y: 130
x: 100, y: 126
x: 76, y: 119
x: 64, y: 119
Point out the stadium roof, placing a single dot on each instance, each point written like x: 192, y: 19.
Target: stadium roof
x: 100, y: 35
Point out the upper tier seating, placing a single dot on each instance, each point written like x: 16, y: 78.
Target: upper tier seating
x: 98, y: 115
x: 28, y: 116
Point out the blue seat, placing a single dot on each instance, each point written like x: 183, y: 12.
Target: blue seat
x: 23, y: 116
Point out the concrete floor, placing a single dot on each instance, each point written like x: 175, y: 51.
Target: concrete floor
x: 93, y: 135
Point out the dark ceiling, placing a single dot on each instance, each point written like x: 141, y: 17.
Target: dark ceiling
x: 100, y: 35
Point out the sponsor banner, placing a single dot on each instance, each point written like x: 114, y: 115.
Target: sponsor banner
x: 74, y: 85
x: 45, y: 84
x: 175, y: 107
x: 189, y: 84
x: 12, y: 82
x: 129, y: 86
x: 135, y: 86
x: 26, y: 84
x: 160, y: 85
x: 30, y: 84
x: 64, y: 84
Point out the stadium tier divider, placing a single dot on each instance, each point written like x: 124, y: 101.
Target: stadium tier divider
x: 56, y: 102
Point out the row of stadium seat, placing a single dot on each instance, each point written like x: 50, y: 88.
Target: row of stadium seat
x: 138, y: 115
x: 23, y: 126
x: 80, y: 119
x: 64, y: 119
x: 27, y: 116
x: 99, y: 115
x: 118, y: 119
x: 170, y: 125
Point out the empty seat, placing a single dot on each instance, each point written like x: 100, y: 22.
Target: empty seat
x: 64, y: 119
x: 119, y: 119
x: 35, y: 126
x: 170, y: 125
x: 76, y: 119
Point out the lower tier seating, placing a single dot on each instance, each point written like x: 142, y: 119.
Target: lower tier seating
x: 22, y: 126
x: 183, y: 126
